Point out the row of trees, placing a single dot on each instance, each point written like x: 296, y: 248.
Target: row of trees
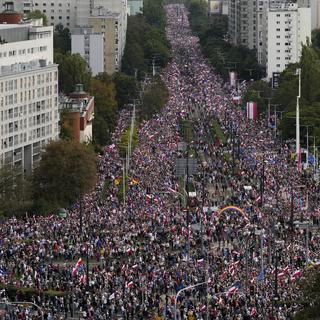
x: 286, y: 94
x: 146, y: 39
x: 212, y: 31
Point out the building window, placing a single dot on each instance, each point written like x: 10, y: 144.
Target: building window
x: 278, y: 65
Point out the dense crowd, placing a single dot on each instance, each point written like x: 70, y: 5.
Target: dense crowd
x: 144, y: 250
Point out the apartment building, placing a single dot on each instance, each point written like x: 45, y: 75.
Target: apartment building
x: 103, y: 43
x: 242, y: 24
x: 28, y: 93
x: 288, y: 28
x: 70, y: 13
x: 91, y: 46
x: 108, y: 23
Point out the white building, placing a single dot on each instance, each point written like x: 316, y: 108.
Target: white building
x: 288, y: 27
x: 135, y: 7
x: 28, y: 93
x: 70, y: 13
x: 315, y: 11
x: 90, y: 45
x: 102, y: 44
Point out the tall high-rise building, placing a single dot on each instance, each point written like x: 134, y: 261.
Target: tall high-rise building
x: 287, y: 29
x: 111, y: 24
x: 70, y: 13
x: 243, y: 22
x: 28, y: 91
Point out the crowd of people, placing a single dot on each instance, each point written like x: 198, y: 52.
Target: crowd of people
x: 144, y: 249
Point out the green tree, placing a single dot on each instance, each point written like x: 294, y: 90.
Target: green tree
x: 310, y: 75
x: 66, y: 131
x: 67, y: 171
x: 37, y: 14
x: 154, y: 100
x: 154, y: 12
x: 310, y: 288
x: 315, y: 36
x: 126, y: 88
x: 73, y: 69
x: 254, y: 96
x: 103, y: 89
x: 15, y: 196
x: 146, y: 39
x: 62, y: 39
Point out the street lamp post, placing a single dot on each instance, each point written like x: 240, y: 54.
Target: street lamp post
x: 182, y: 290
x: 298, y: 73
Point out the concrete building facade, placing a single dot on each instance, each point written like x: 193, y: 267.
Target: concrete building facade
x: 28, y: 93
x: 90, y: 45
x: 288, y: 29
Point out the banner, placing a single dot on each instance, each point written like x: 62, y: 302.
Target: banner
x: 252, y: 110
x: 233, y: 78
x: 237, y: 100
x: 215, y: 7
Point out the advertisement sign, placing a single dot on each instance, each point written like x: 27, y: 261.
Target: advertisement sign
x: 275, y: 80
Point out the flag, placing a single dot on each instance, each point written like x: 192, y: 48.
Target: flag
x: 2, y: 272
x: 297, y: 274
x: 172, y: 190
x: 203, y: 308
x: 130, y: 250
x: 232, y: 291
x: 260, y: 277
x: 200, y: 262
x: 79, y: 263
x: 74, y: 272
x: 281, y: 275
x: 253, y: 312
x: 83, y: 279
x: 130, y: 284
x: 286, y: 269
x: 252, y: 110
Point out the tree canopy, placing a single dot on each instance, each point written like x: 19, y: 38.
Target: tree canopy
x: 67, y: 171
x: 37, y: 14
x: 73, y: 69
x: 310, y: 287
x: 62, y: 39
x: 146, y: 39
x: 15, y: 191
x: 286, y: 94
x: 104, y: 91
x: 212, y: 31
x: 154, y: 99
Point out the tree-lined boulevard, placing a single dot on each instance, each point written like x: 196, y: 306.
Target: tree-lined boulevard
x: 242, y: 248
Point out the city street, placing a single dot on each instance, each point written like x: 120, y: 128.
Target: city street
x: 143, y: 251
